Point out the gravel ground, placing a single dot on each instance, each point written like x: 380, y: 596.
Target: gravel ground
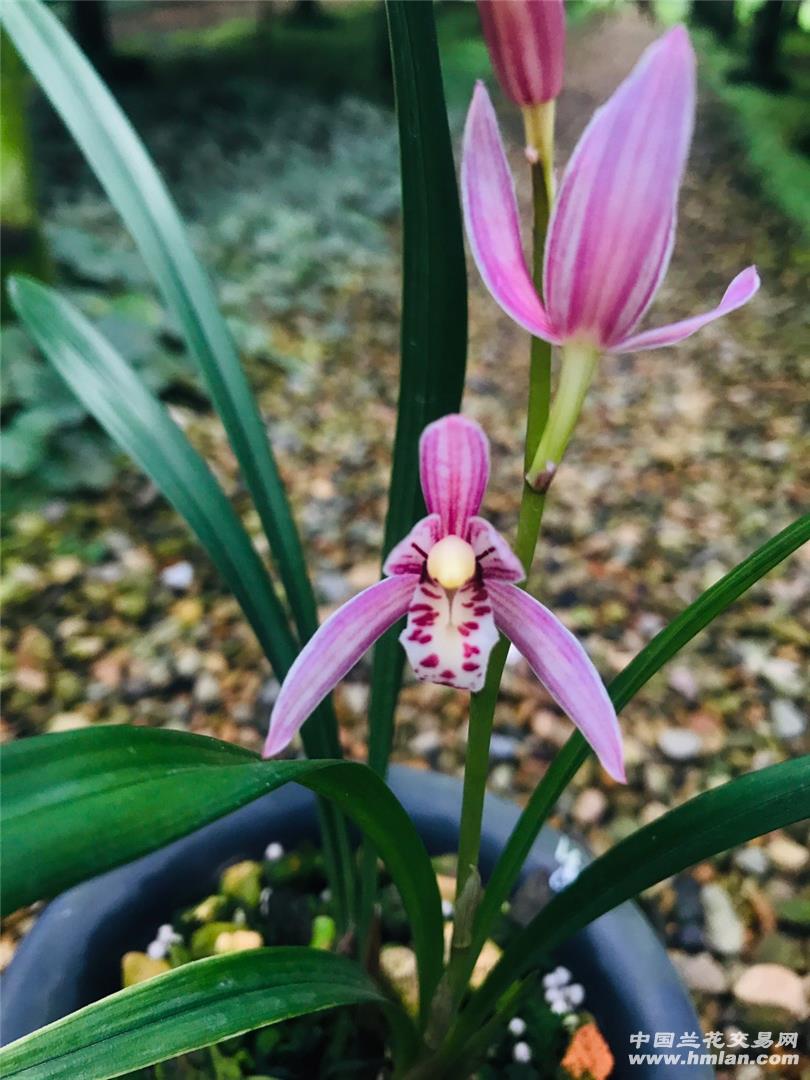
x: 684, y: 462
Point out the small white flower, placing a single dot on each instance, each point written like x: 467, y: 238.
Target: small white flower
x: 167, y: 935
x: 326, y: 895
x: 562, y: 995
x: 239, y: 917
x: 273, y: 852
x: 264, y: 900
x: 560, y: 976
x: 522, y: 1053
x: 517, y: 1026
x: 156, y: 950
x: 447, y: 909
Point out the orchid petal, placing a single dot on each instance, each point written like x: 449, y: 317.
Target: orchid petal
x: 613, y: 224
x: 739, y: 292
x: 491, y: 217
x: 332, y: 652
x: 563, y: 667
x: 449, y: 635
x: 454, y: 470
x: 408, y: 556
x: 495, y: 558
x: 526, y: 42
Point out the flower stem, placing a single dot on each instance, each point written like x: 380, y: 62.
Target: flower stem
x: 482, y: 704
x: 576, y: 372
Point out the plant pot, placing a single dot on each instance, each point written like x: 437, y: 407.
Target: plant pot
x: 72, y: 955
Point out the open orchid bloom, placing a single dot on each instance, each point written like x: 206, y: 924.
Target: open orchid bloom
x: 455, y: 578
x: 612, y: 227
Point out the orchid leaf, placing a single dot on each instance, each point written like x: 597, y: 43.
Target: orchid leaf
x: 706, y: 825
x: 192, y: 1006
x: 110, y: 389
x: 78, y: 803
x: 434, y: 306
x: 624, y: 687
x: 126, y: 172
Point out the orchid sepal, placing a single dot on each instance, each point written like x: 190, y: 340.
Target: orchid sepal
x: 564, y: 668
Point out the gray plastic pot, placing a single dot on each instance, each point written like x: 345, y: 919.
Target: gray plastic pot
x: 72, y: 955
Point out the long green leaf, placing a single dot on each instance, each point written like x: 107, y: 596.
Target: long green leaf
x: 125, y: 170
x: 112, y: 391
x: 114, y: 394
x: 193, y: 1006
x: 136, y: 420
x: 623, y: 688
x: 79, y: 803
x: 434, y: 305
x: 749, y: 806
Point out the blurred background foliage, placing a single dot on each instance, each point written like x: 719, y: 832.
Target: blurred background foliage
x: 271, y: 123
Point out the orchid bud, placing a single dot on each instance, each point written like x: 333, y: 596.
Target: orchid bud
x: 526, y: 42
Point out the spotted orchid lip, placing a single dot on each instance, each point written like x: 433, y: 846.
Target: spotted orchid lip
x: 450, y: 633
x: 612, y: 227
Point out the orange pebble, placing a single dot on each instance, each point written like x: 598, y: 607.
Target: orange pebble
x: 588, y: 1055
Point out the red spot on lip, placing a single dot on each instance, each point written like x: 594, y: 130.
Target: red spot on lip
x: 470, y: 650
x: 428, y: 619
x: 469, y: 666
x: 420, y: 607
x: 430, y: 661
x: 432, y: 595
x: 485, y: 610
x: 420, y: 636
x: 448, y: 674
x: 471, y: 625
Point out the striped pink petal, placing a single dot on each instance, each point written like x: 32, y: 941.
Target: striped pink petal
x: 408, y: 556
x: 454, y: 469
x: 612, y: 228
x: 526, y: 42
x: 496, y: 560
x: 563, y: 667
x: 491, y: 218
x: 333, y: 652
x: 449, y: 635
x: 739, y: 292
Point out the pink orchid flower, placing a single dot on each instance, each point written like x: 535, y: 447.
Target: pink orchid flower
x: 454, y: 576
x: 611, y: 231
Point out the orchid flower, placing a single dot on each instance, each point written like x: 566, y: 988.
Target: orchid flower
x: 455, y: 578
x: 611, y: 231
x: 526, y: 43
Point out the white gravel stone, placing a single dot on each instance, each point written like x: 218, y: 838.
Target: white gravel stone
x: 178, y: 576
x: 680, y: 744
x: 725, y: 932
x: 789, y: 722
x: 772, y: 985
